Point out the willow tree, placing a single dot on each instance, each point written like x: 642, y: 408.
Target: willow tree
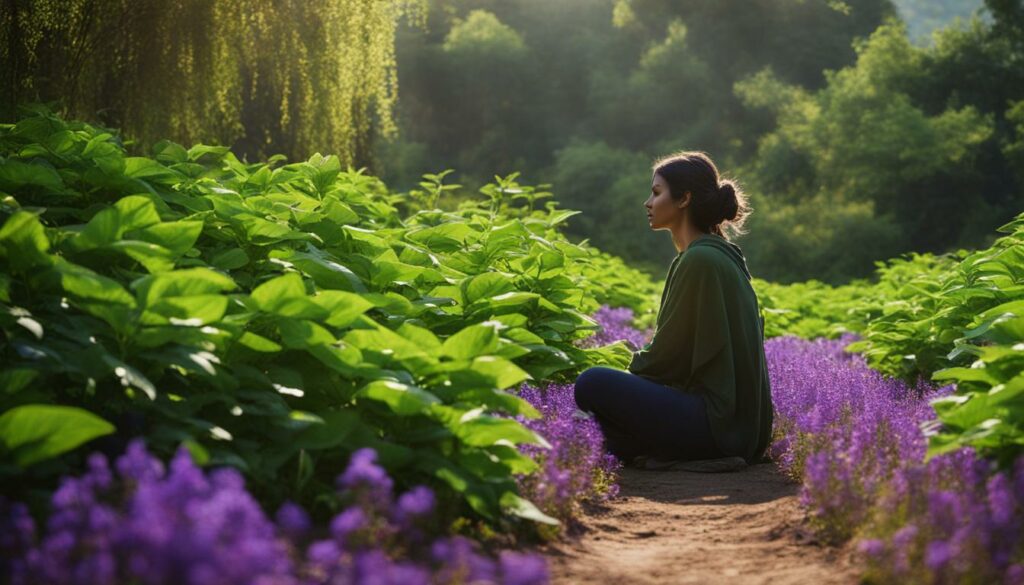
x: 264, y: 76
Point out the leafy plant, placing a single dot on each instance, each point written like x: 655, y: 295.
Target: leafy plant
x: 275, y: 317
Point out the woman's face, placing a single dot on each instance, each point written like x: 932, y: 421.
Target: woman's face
x: 662, y: 211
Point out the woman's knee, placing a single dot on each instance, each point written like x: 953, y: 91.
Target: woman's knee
x: 588, y: 385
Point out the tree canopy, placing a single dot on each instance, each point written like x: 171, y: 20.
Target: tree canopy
x: 264, y: 77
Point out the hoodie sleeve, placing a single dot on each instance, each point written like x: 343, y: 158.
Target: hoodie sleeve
x: 692, y: 326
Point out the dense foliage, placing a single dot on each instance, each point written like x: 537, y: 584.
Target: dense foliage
x: 953, y: 318
x: 265, y: 77
x: 855, y: 143
x: 276, y: 317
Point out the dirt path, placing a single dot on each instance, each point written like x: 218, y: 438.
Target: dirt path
x: 679, y: 527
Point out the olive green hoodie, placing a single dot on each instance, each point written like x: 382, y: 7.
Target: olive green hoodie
x: 709, y: 340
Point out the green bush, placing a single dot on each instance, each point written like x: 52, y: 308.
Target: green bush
x: 274, y: 317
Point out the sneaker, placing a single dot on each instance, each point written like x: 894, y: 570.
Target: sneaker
x: 582, y: 415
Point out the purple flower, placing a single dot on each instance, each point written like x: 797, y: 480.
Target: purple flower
x: 616, y: 325
x: 292, y: 520
x: 136, y: 464
x: 854, y: 439
x: 323, y: 553
x: 348, y: 522
x: 937, y: 555
x: 364, y: 475
x: 871, y: 547
x: 522, y: 569
x: 414, y: 504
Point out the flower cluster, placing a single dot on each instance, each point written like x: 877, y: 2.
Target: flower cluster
x: 616, y: 325
x: 576, y: 467
x: 949, y: 520
x: 151, y: 526
x: 841, y: 427
x: 854, y: 439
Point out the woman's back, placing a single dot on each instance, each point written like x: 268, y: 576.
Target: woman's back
x: 709, y: 340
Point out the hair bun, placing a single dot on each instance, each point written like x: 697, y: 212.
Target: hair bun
x: 730, y: 204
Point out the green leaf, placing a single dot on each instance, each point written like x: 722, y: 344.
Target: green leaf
x: 191, y: 311
x: 151, y: 256
x: 487, y: 285
x: 480, y: 430
x: 200, y: 456
x: 446, y: 237
x: 104, y: 228
x: 181, y: 283
x: 87, y: 285
x: 36, y: 432
x: 15, y: 175
x: 271, y: 292
x: 230, y: 259
x: 169, y: 152
x: 284, y: 295
x: 24, y: 241
x: 504, y: 373
x: 136, y: 212
x: 260, y: 231
x: 130, y: 377
x: 176, y: 236
x: 509, y: 299
x: 258, y: 343
x: 139, y: 167
x: 403, y: 399
x: 471, y: 342
x: 332, y: 432
x: 16, y: 379
x: 424, y: 338
x: 383, y: 340
x: 523, y: 508
x: 342, y: 307
x: 302, y: 334
x: 327, y: 273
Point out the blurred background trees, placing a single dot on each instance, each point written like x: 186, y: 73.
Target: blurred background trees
x: 859, y: 136
x: 861, y: 128
x: 264, y: 76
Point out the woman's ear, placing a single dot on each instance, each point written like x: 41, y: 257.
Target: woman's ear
x: 686, y: 200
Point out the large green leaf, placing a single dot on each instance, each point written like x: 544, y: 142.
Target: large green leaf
x: 487, y: 285
x: 401, y: 398
x: 342, y: 307
x: 181, y: 283
x: 36, y: 432
x: 15, y: 174
x: 176, y: 236
x: 473, y: 341
x: 24, y: 241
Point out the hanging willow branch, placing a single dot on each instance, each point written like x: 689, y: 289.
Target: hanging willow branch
x: 264, y: 76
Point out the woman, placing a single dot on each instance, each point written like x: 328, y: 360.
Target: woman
x: 699, y: 390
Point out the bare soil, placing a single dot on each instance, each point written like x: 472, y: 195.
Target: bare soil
x: 683, y: 527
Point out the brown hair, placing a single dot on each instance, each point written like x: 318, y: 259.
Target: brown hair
x: 717, y: 206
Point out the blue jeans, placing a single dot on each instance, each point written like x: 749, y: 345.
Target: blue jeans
x: 641, y: 417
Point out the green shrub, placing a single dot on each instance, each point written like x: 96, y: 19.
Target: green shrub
x: 275, y: 317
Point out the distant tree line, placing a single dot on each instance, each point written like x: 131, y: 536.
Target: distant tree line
x: 855, y: 144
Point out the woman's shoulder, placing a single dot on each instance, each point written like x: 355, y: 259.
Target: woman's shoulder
x: 715, y: 252
x: 698, y: 254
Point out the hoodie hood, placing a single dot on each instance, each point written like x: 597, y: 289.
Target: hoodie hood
x: 730, y: 249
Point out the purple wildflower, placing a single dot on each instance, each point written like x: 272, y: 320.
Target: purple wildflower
x: 292, y: 520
